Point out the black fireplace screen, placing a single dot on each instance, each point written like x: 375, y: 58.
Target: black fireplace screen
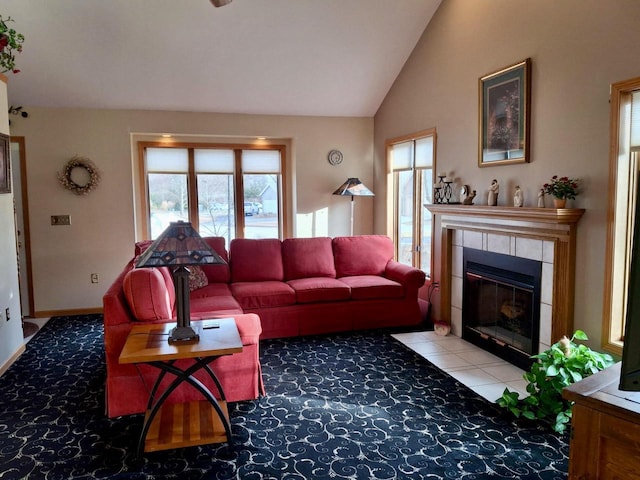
x: 501, y: 304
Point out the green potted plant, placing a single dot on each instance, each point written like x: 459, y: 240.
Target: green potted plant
x: 10, y: 44
x: 561, y: 365
x: 561, y: 189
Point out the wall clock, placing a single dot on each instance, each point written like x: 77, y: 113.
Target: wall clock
x: 335, y: 157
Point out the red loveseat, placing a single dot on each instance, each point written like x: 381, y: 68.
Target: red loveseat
x: 273, y: 288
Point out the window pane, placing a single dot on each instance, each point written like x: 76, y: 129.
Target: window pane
x: 214, y: 161
x: 261, y: 161
x: 424, y: 152
x: 216, y: 208
x: 168, y: 200
x: 167, y: 160
x: 404, y: 215
x: 425, y: 229
x: 261, y: 205
x: 402, y: 156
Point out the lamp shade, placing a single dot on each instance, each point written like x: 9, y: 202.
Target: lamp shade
x: 354, y: 187
x: 179, y: 244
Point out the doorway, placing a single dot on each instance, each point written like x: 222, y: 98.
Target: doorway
x: 21, y: 207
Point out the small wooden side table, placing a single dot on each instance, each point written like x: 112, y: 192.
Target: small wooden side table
x: 605, y: 432
x: 187, y: 424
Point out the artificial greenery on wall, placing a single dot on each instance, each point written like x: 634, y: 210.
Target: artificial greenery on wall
x: 10, y: 43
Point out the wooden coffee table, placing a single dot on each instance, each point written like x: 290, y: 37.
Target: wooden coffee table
x: 184, y: 424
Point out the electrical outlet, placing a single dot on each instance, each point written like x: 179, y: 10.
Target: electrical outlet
x: 7, y: 314
x: 60, y: 220
x: 94, y: 278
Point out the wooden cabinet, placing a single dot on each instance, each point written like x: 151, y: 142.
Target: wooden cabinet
x: 605, y: 434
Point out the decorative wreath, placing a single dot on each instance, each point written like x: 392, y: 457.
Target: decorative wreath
x: 79, y: 162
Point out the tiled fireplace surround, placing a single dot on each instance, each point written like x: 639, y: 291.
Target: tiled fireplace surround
x: 543, y: 234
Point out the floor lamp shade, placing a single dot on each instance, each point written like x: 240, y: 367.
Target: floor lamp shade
x: 177, y: 247
x: 353, y: 187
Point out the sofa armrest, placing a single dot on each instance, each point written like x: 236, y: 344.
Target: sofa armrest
x: 411, y: 278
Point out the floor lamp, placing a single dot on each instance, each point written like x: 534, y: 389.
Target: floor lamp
x: 354, y: 188
x: 177, y: 247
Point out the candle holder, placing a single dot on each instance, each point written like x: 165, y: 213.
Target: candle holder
x: 443, y: 191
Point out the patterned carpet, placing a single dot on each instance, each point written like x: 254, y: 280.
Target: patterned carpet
x: 349, y: 406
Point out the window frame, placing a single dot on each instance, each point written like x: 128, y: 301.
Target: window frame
x: 143, y: 186
x: 419, y: 211
x: 620, y: 151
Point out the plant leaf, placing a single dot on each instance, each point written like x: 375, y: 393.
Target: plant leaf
x: 580, y: 335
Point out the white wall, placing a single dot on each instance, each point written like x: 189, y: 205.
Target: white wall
x: 102, y: 232
x: 11, y: 338
x: 578, y: 48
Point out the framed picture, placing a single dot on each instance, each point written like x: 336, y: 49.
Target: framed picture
x: 505, y: 99
x: 5, y: 165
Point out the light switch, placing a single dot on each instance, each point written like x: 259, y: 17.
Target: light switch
x: 60, y: 220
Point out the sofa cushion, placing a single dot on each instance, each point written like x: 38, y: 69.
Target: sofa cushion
x: 320, y: 289
x: 147, y: 294
x: 263, y: 294
x: 141, y: 246
x: 307, y: 257
x: 206, y: 307
x: 371, y: 286
x: 217, y: 273
x: 256, y: 260
x: 362, y: 255
x: 212, y: 290
x: 197, y: 278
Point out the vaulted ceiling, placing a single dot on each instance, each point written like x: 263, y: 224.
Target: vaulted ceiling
x: 288, y: 57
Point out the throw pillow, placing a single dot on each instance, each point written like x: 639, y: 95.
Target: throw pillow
x: 197, y: 278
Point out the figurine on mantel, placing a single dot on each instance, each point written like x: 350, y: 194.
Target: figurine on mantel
x: 494, y: 189
x: 541, y: 198
x: 518, y: 197
x: 468, y: 200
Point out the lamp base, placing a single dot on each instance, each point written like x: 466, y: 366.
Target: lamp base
x: 183, y: 335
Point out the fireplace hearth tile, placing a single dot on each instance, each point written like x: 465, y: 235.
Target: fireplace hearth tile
x: 429, y: 348
x: 505, y: 372
x: 447, y: 361
x: 473, y: 377
x: 491, y: 391
x: 456, y: 344
x: 480, y: 357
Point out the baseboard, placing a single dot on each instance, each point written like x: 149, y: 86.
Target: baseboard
x: 12, y: 359
x: 59, y: 313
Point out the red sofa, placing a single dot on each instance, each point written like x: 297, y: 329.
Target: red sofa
x: 273, y: 288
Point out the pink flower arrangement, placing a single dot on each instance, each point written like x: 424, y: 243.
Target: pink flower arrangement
x: 562, y: 187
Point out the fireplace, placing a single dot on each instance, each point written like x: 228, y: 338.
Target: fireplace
x: 501, y: 304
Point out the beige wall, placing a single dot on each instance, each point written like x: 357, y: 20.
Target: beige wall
x: 102, y: 231
x: 578, y: 48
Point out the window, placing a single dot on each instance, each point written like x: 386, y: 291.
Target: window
x: 222, y: 191
x: 623, y: 181
x: 410, y: 186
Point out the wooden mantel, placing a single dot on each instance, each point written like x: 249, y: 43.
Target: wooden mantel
x: 556, y: 225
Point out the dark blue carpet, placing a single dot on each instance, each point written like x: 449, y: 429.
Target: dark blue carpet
x: 349, y: 406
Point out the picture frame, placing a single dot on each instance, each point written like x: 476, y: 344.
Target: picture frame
x: 5, y: 164
x: 504, y: 115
